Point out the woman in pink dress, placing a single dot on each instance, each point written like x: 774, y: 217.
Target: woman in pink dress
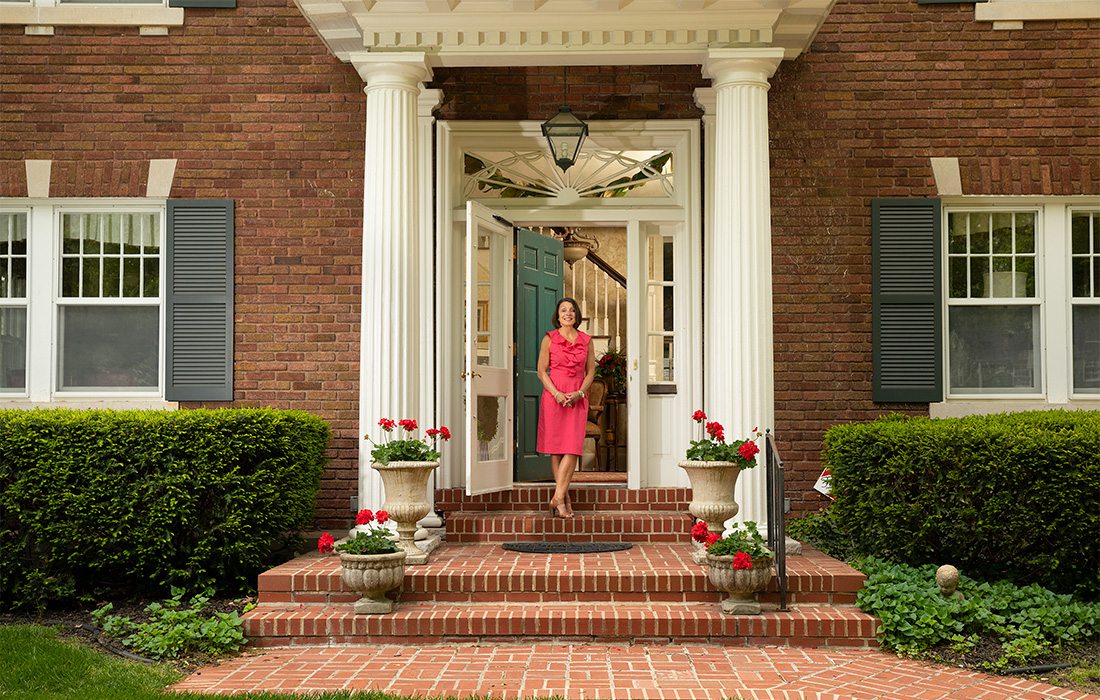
x: 566, y: 368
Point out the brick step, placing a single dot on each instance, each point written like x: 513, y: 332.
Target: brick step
x: 650, y: 623
x: 590, y: 526
x: 472, y: 573
x: 583, y: 497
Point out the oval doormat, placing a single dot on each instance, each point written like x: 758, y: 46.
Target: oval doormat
x: 565, y: 547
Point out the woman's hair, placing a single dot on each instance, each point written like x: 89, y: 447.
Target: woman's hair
x: 576, y: 310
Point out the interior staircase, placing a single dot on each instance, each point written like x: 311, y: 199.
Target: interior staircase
x: 473, y: 591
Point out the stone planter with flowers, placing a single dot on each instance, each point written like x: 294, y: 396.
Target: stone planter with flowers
x: 712, y: 466
x: 405, y: 463
x: 372, y: 564
x: 738, y: 564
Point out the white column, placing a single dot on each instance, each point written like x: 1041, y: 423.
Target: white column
x: 737, y: 296
x: 390, y: 337
x: 429, y: 412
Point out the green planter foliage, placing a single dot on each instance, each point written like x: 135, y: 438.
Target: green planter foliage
x: 1003, y: 496
x: 98, y: 504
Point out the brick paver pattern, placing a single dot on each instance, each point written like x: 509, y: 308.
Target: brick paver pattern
x: 608, y: 672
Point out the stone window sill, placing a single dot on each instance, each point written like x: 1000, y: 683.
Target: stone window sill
x: 957, y: 408
x: 1011, y: 14
x: 42, y: 20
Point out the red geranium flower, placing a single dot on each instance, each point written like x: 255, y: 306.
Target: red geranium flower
x: 699, y: 531
x: 408, y: 424
x: 431, y: 432
x: 382, y: 516
x: 712, y: 537
x: 741, y: 560
x: 716, y: 431
x: 698, y: 416
x: 444, y: 432
x: 364, y: 516
x: 387, y: 424
x: 748, y: 450
x: 325, y: 543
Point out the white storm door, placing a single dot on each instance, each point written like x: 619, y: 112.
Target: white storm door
x: 488, y: 367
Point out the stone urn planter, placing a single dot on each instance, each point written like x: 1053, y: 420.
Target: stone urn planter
x: 712, y: 485
x: 406, y: 486
x: 741, y: 585
x: 373, y: 576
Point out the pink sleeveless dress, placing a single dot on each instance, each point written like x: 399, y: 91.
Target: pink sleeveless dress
x: 561, y: 428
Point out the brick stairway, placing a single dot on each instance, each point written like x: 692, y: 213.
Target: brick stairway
x: 474, y: 591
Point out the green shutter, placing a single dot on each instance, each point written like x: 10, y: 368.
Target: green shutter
x: 199, y: 288
x: 202, y: 3
x: 905, y: 308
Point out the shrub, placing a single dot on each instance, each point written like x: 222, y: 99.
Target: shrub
x: 106, y: 503
x: 1010, y: 495
x: 1028, y: 622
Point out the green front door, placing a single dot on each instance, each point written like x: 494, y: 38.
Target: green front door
x: 539, y: 284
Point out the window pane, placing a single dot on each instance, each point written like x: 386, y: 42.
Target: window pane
x: 668, y: 309
x: 90, y: 285
x: 111, y: 277
x: 1025, y: 232
x: 13, y: 350
x: 994, y: 349
x: 112, y: 348
x: 1086, y: 349
x: 957, y: 273
x: 152, y: 277
x: 1080, y: 234
x: 661, y: 359
x: 491, y: 428
x: 1002, y: 232
x: 668, y: 260
x: 979, y: 233
x: 13, y: 255
x: 979, y: 277
x: 1080, y: 277
x: 956, y: 225
x: 131, y: 277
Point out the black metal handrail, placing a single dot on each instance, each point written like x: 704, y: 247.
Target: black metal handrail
x: 777, y: 513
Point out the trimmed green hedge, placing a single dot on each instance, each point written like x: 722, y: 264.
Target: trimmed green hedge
x: 1012, y: 496
x: 112, y: 503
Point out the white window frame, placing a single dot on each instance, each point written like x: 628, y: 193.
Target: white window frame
x: 1053, y: 288
x: 44, y: 301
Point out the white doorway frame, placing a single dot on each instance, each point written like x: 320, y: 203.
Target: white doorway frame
x: 683, y: 208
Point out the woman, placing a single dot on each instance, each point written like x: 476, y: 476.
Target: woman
x: 567, y: 367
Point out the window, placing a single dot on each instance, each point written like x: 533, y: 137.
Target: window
x: 660, y: 314
x: 994, y: 303
x: 1085, y: 300
x: 13, y: 302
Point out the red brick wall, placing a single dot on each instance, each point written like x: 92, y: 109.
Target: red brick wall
x: 256, y: 109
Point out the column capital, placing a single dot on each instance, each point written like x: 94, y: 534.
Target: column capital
x: 427, y: 102
x: 706, y: 99
x: 741, y: 66
x: 396, y: 70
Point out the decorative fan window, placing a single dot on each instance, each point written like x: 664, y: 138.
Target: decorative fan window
x: 596, y: 174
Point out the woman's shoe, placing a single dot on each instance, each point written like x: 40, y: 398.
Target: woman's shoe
x: 558, y: 509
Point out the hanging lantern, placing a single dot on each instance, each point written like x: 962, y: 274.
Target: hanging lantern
x: 566, y: 133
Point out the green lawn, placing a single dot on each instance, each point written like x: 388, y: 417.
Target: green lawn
x: 36, y: 665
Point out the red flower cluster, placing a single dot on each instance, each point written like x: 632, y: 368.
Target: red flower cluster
x: 699, y: 531
x: 387, y: 424
x: 712, y: 537
x: 698, y: 416
x: 716, y: 431
x: 748, y: 450
x: 365, y: 517
x: 408, y: 424
x: 325, y: 543
x: 741, y: 560
x: 443, y: 432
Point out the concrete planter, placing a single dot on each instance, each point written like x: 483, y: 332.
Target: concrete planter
x: 373, y: 576
x: 712, y: 485
x: 741, y: 585
x: 406, y: 488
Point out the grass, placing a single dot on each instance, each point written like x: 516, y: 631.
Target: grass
x: 36, y: 665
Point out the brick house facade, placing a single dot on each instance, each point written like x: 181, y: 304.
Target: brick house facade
x: 256, y: 109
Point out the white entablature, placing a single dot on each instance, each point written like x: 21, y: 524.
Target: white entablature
x: 558, y: 32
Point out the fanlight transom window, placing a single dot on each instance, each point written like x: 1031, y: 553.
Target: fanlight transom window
x: 596, y: 174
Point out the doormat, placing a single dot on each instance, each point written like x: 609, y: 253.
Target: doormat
x: 565, y: 547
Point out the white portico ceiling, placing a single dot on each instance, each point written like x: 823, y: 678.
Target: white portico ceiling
x: 563, y: 32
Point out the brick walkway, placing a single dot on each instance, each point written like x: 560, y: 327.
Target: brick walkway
x: 610, y: 671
